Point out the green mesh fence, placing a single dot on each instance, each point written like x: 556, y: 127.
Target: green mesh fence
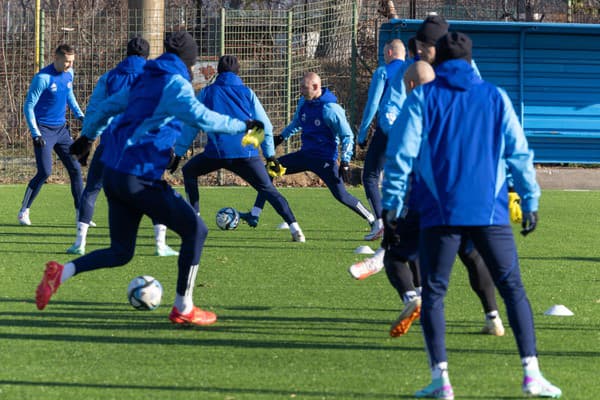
x: 337, y: 39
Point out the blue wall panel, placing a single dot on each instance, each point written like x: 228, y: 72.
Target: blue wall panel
x: 551, y: 73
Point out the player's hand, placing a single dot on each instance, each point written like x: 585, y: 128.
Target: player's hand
x: 390, y: 223
x: 345, y: 171
x: 529, y: 223
x: 277, y: 140
x: 81, y: 148
x: 254, y: 137
x: 253, y: 123
x: 173, y: 163
x: 39, y: 141
x: 274, y: 168
x: 514, y: 207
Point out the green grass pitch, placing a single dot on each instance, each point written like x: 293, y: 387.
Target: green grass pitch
x: 292, y: 323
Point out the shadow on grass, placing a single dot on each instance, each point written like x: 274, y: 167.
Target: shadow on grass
x: 284, y: 393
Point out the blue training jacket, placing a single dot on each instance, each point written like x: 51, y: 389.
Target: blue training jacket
x: 147, y: 128
x: 323, y: 123
x: 47, y: 98
x: 122, y: 76
x: 228, y: 95
x: 458, y: 133
x: 379, y: 82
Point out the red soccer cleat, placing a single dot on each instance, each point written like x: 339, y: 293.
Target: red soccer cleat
x: 49, y: 284
x: 195, y: 317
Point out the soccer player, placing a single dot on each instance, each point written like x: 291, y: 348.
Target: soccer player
x: 154, y: 108
x: 433, y: 138
x: 111, y: 82
x: 228, y: 95
x: 323, y: 124
x: 45, y: 107
x: 393, y: 54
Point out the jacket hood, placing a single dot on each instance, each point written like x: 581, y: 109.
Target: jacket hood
x: 132, y: 64
x: 327, y: 96
x: 457, y: 74
x: 228, y: 79
x: 168, y: 63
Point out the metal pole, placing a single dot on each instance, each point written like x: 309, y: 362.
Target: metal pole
x: 38, y: 62
x: 42, y: 38
x: 148, y: 20
x: 288, y: 82
x: 353, y: 75
x: 222, y: 33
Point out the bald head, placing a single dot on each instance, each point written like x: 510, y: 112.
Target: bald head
x: 394, y: 50
x: 310, y: 86
x: 419, y: 73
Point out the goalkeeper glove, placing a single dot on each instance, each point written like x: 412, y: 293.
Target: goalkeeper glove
x: 514, y: 207
x: 39, y: 141
x: 277, y: 140
x: 390, y: 223
x: 345, y: 171
x: 253, y: 123
x: 81, y: 148
x: 254, y: 136
x: 274, y: 168
x: 529, y: 223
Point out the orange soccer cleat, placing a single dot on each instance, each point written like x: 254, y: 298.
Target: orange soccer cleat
x: 195, y: 317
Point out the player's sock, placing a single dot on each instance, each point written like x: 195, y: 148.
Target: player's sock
x: 68, y: 271
x: 184, y: 304
x: 256, y: 211
x: 80, y: 238
x: 530, y: 365
x: 160, y: 234
x: 409, y: 296
x: 294, y: 227
x: 491, y: 314
x: 439, y: 370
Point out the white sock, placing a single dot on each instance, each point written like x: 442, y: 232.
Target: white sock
x: 24, y: 211
x: 294, y: 227
x: 439, y: 370
x: 408, y: 296
x: 419, y: 289
x: 530, y: 365
x: 185, y: 303
x: 68, y: 271
x: 82, y: 229
x: 160, y: 234
x: 491, y: 314
x: 256, y: 211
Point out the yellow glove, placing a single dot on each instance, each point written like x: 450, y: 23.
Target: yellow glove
x: 274, y: 168
x: 514, y: 207
x: 254, y: 136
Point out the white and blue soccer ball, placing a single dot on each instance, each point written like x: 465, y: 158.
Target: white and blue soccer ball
x: 144, y: 292
x: 228, y: 218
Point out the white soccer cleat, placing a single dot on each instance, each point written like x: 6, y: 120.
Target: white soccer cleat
x: 367, y: 267
x: 376, y: 230
x: 493, y: 326
x: 298, y: 236
x: 537, y: 386
x: 23, y: 218
x: 165, y: 251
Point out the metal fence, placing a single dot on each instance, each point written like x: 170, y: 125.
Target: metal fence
x: 336, y: 38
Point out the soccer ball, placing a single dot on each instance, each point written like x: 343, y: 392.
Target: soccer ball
x: 228, y: 218
x: 144, y: 292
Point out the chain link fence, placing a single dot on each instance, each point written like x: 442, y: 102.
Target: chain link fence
x: 275, y: 49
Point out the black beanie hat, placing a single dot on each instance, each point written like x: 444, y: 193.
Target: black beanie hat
x: 228, y: 63
x: 454, y: 45
x: 183, y: 45
x: 138, y: 46
x: 432, y: 28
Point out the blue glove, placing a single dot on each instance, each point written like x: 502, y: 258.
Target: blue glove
x: 530, y: 220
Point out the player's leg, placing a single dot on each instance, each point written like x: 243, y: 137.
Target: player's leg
x: 294, y: 163
x: 43, y: 161
x: 374, y: 162
x: 87, y: 203
x: 482, y: 284
x: 168, y: 207
x: 253, y: 171
x: 124, y: 219
x: 198, y: 165
x: 72, y: 166
x: 328, y: 172
x: 497, y: 247
x: 437, y: 251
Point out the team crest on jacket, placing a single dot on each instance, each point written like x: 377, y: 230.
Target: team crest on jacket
x: 53, y: 87
x: 317, y: 122
x: 303, y: 117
